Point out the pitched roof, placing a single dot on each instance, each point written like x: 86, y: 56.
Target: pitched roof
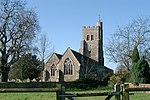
x: 79, y: 57
x: 58, y: 55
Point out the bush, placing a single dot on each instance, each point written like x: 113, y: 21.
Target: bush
x: 85, y: 84
x: 116, y: 78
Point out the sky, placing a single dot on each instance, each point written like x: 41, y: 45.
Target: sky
x: 62, y: 20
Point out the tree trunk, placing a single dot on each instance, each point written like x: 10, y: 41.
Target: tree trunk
x: 4, y: 76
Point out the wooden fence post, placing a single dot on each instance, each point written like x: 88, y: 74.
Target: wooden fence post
x: 58, y: 92
x: 117, y: 89
x: 125, y: 92
x: 62, y: 88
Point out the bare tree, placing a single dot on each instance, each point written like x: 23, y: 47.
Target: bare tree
x: 45, y: 49
x: 122, y: 42
x: 89, y: 68
x: 147, y: 55
x: 18, y: 27
x: 121, y: 69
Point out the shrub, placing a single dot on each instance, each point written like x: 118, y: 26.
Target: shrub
x: 116, y: 78
x: 85, y: 84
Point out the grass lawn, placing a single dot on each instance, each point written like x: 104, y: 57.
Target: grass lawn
x: 133, y: 96
x: 39, y: 96
x: 52, y: 96
x: 28, y: 96
x: 139, y: 96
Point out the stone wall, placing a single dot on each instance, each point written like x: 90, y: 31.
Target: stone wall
x: 140, y: 86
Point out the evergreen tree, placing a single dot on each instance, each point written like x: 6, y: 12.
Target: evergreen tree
x: 134, y: 70
x: 28, y: 66
x: 135, y: 55
x: 140, y: 68
x: 142, y: 71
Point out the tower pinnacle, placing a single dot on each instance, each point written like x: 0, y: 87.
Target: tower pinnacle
x: 99, y: 21
x: 99, y: 17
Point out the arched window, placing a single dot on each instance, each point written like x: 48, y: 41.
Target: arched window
x: 53, y: 69
x: 68, y: 67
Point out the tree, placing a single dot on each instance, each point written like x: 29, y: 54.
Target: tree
x: 115, y: 78
x: 140, y: 68
x: 135, y: 55
x: 121, y: 70
x: 147, y: 55
x: 45, y: 49
x: 89, y: 68
x: 18, y: 27
x: 92, y: 70
x: 140, y: 72
x: 28, y: 66
x: 120, y: 46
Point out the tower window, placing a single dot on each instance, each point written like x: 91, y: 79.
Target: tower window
x: 92, y: 37
x: 68, y: 67
x: 87, y: 38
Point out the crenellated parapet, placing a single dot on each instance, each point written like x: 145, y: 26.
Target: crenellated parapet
x: 89, y: 27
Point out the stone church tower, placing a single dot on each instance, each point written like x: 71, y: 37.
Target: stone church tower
x: 92, y: 42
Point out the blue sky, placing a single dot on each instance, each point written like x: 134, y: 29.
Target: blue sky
x: 62, y: 20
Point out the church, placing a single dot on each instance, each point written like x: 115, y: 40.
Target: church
x: 87, y: 63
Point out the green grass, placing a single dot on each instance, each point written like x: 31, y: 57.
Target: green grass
x: 133, y: 96
x: 28, y: 96
x: 139, y: 96
x: 52, y: 95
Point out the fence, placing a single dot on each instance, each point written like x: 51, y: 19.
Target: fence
x: 53, y: 87
x: 134, y: 88
x: 9, y: 87
x: 123, y: 90
x: 60, y: 89
x: 108, y: 95
x: 140, y: 86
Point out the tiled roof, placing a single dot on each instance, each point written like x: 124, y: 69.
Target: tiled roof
x: 59, y: 55
x: 79, y: 57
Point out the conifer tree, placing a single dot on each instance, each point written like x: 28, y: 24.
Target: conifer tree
x: 143, y: 71
x: 140, y: 68
x: 135, y: 55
